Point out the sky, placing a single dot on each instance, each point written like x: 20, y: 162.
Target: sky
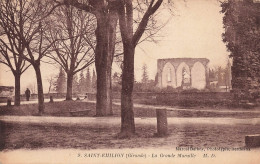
x: 193, y: 31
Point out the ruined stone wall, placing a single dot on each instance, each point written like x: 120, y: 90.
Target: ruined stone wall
x: 170, y: 72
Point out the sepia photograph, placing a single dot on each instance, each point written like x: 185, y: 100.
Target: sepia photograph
x: 129, y: 81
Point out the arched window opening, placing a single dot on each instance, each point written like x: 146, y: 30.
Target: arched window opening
x: 169, y: 75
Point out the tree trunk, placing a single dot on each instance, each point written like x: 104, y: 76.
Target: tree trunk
x: 130, y: 40
x: 162, y: 124
x: 109, y: 110
x: 127, y: 113
x: 125, y: 12
x: 112, y: 23
x: 105, y: 47
x: 101, y: 92
x: 17, y: 89
x: 39, y: 88
x: 69, y: 86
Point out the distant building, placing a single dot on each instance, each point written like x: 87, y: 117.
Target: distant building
x: 183, y: 72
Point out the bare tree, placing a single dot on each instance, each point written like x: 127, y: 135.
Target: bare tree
x: 51, y: 81
x: 130, y: 40
x: 73, y: 31
x: 27, y: 26
x: 10, y: 46
x: 107, y: 13
x: 106, y: 17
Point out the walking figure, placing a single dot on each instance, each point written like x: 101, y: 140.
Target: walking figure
x: 27, y: 94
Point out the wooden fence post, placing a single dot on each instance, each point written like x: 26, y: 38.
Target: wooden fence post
x: 9, y: 102
x: 51, y: 99
x: 162, y: 125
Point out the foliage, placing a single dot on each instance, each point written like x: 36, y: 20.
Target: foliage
x: 145, y: 74
x: 242, y: 37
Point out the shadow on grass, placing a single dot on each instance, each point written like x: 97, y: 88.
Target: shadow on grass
x: 105, y: 136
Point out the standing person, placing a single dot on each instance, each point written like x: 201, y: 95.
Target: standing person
x: 27, y: 94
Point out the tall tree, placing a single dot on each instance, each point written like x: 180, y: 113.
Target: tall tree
x: 220, y: 76
x: 74, y: 49
x: 242, y: 37
x: 10, y: 46
x: 27, y: 26
x: 107, y: 14
x: 145, y: 77
x: 130, y: 40
x: 106, y: 18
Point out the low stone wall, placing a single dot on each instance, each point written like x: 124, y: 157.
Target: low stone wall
x: 91, y: 96
x: 180, y: 95
x: 197, y: 95
x: 196, y: 99
x: 175, y: 96
x: 46, y: 96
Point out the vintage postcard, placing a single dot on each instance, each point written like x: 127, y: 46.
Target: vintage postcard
x: 129, y: 81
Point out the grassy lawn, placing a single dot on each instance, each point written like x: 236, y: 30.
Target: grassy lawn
x: 51, y: 109
x: 16, y: 135
x: 64, y: 107
x: 91, y: 136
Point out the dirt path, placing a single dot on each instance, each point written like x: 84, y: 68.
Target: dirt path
x: 257, y: 110
x: 116, y: 120
x: 34, y: 101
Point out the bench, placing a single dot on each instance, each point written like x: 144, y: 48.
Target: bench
x: 80, y: 113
